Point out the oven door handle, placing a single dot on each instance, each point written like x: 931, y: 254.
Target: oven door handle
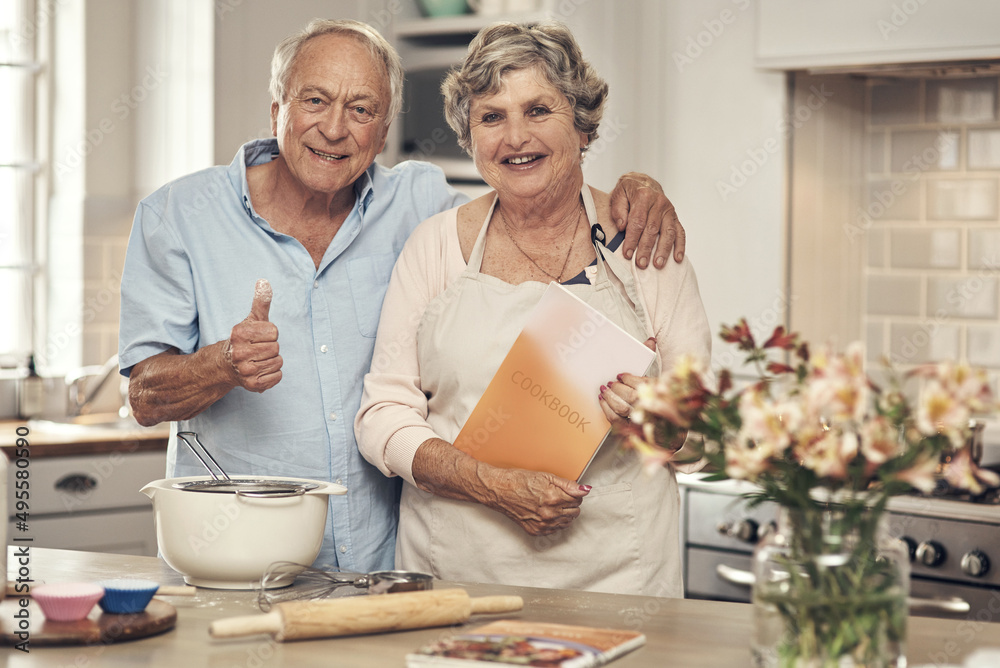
x: 735, y: 576
x: 953, y: 605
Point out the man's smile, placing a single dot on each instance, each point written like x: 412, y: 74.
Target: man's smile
x: 328, y: 156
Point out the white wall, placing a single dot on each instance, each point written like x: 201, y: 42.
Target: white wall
x: 722, y: 157
x: 246, y: 32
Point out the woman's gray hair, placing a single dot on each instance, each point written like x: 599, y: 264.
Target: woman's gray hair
x: 288, y: 49
x: 503, y: 47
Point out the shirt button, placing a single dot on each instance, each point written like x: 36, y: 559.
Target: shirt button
x: 323, y: 348
x: 333, y: 416
x: 343, y: 549
x: 338, y: 481
x: 315, y: 284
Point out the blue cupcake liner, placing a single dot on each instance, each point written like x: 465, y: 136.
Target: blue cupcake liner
x: 124, y: 596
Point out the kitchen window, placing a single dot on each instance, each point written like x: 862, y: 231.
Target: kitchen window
x: 20, y: 174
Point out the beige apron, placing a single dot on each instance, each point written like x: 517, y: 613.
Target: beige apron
x: 625, y: 539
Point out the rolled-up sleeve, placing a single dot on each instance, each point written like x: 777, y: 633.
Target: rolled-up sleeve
x: 158, y: 308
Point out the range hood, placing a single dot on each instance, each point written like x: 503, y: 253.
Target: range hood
x: 913, y: 38
x: 921, y: 70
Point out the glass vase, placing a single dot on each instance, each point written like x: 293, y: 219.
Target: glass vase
x: 830, y: 590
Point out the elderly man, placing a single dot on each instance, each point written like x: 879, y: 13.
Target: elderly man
x: 312, y: 213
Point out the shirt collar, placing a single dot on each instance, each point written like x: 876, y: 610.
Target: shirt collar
x: 364, y: 188
x: 259, y: 151
x: 255, y: 152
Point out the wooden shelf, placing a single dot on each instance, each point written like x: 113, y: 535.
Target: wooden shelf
x: 455, y: 26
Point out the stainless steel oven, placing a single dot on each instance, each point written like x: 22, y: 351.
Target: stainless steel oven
x: 954, y: 548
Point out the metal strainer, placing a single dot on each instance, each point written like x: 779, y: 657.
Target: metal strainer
x: 221, y: 483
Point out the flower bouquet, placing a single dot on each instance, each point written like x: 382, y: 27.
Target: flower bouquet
x: 829, y: 446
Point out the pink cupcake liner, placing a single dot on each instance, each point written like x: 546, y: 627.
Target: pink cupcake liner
x: 67, y: 602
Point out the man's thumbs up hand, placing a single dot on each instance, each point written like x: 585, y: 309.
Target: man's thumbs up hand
x: 253, y: 345
x: 261, y: 301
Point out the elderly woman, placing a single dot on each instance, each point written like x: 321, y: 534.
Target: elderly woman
x: 526, y: 106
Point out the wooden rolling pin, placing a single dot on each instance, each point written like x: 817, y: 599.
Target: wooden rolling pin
x: 298, y: 620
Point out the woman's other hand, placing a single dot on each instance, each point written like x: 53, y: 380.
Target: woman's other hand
x: 541, y: 503
x: 639, y: 207
x: 619, y: 395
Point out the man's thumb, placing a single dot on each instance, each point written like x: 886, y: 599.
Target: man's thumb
x: 261, y: 301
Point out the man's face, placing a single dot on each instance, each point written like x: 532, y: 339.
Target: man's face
x: 332, y: 122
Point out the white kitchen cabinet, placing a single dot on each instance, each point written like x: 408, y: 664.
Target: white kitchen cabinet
x: 797, y: 34
x: 90, y: 502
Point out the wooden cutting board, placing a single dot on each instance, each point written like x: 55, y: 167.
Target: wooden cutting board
x: 98, y: 628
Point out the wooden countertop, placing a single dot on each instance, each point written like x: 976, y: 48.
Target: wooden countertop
x: 65, y: 440
x: 687, y: 633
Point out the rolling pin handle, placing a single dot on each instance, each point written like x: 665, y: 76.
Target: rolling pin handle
x: 494, y: 604
x: 237, y: 627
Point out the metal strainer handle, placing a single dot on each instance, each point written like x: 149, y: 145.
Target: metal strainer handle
x: 183, y: 436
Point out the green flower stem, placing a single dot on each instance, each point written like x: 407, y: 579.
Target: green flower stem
x: 834, y: 595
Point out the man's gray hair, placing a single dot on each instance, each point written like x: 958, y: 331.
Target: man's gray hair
x: 503, y: 47
x: 288, y: 49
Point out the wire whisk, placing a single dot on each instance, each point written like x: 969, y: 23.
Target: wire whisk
x: 289, y: 581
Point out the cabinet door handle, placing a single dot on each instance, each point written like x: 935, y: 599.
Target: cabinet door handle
x: 735, y: 576
x: 74, y: 483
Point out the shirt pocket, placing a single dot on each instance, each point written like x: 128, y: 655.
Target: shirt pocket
x: 369, y: 278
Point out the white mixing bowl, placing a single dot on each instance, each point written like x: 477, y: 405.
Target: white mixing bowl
x: 226, y: 540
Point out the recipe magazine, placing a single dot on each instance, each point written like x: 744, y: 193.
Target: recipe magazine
x: 541, y: 409
x: 520, y: 643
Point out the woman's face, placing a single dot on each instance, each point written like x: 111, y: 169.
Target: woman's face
x: 523, y: 138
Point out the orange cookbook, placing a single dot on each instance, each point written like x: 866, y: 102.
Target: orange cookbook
x: 541, y: 410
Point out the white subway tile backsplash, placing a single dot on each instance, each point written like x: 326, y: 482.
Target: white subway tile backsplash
x: 926, y: 249
x: 956, y: 100
x: 894, y: 295
x: 918, y: 151
x: 984, y: 149
x: 895, y: 103
x: 983, y: 346
x: 962, y: 199
x: 876, y: 247
x: 894, y: 199
x: 921, y: 343
x: 931, y: 147
x: 101, y: 304
x: 874, y: 348
x: 972, y: 296
x: 984, y: 249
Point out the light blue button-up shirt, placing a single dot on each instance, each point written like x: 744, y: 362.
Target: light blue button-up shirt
x: 196, y: 250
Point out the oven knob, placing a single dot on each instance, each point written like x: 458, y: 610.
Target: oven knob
x: 911, y: 547
x: 931, y: 553
x: 975, y: 564
x: 745, y: 530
